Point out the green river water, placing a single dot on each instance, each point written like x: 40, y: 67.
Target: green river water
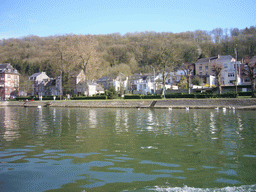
x: 98, y: 149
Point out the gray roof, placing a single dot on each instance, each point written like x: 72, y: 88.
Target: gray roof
x: 37, y: 74
x: 252, y: 61
x: 99, y: 88
x: 203, y: 60
x: 220, y: 57
x: 7, y: 68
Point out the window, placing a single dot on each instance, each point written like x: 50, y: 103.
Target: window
x: 200, y: 68
x: 206, y: 67
x: 200, y: 73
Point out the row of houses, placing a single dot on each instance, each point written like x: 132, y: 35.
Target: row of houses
x: 43, y: 85
x: 231, y: 70
x: 150, y: 83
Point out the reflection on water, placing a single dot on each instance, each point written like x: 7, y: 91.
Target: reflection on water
x: 11, y: 131
x: 126, y: 149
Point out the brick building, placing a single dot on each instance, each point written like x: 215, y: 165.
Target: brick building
x: 9, y: 82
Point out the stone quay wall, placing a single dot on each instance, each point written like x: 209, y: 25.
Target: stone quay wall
x: 206, y: 103
x: 165, y: 103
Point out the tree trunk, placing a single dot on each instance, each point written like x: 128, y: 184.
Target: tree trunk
x: 163, y: 74
x: 219, y: 85
x: 253, y: 88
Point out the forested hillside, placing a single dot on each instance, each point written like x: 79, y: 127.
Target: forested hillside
x: 100, y: 55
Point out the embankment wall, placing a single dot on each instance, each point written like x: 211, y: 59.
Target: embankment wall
x: 165, y: 103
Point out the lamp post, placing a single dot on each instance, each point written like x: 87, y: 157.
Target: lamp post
x: 154, y: 78
x: 236, y: 69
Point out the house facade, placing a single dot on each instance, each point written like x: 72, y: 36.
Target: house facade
x: 9, y: 82
x: 53, y: 86
x: 79, y: 85
x: 119, y: 82
x: 145, y: 85
x: 229, y: 73
x: 77, y: 82
x: 39, y: 80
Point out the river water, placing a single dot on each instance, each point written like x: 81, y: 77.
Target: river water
x: 82, y: 149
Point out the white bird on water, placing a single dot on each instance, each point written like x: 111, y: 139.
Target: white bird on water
x: 39, y: 106
x: 187, y: 108
x: 224, y: 108
x: 169, y: 108
x: 217, y: 108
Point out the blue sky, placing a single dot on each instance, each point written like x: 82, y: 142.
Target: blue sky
x: 20, y: 18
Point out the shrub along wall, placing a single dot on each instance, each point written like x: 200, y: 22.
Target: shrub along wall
x: 142, y: 96
x: 249, y: 93
x: 203, y: 95
x: 98, y: 97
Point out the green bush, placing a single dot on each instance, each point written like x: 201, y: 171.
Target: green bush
x: 47, y: 98
x: 228, y: 95
x: 136, y: 96
x: 19, y: 98
x: 173, y: 95
x: 111, y: 93
x: 98, y: 97
x: 188, y: 95
x: 151, y: 96
x: 249, y: 93
x: 203, y: 95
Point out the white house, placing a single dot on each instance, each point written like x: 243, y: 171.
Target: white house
x: 89, y: 88
x: 38, y: 83
x: 119, y: 82
x: 145, y: 85
x: 229, y: 69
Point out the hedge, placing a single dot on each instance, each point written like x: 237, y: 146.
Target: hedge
x: 249, y: 93
x: 24, y: 98
x: 174, y: 95
x: 135, y: 96
x: 202, y: 95
x: 98, y: 97
x: 151, y: 96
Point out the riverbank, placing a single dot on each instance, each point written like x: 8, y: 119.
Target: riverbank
x: 165, y: 103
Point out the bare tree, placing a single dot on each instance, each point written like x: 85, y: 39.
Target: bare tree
x: 25, y: 85
x: 188, y: 68
x: 217, y: 68
x: 64, y: 60
x: 84, y: 48
x: 165, y: 59
x: 248, y: 71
